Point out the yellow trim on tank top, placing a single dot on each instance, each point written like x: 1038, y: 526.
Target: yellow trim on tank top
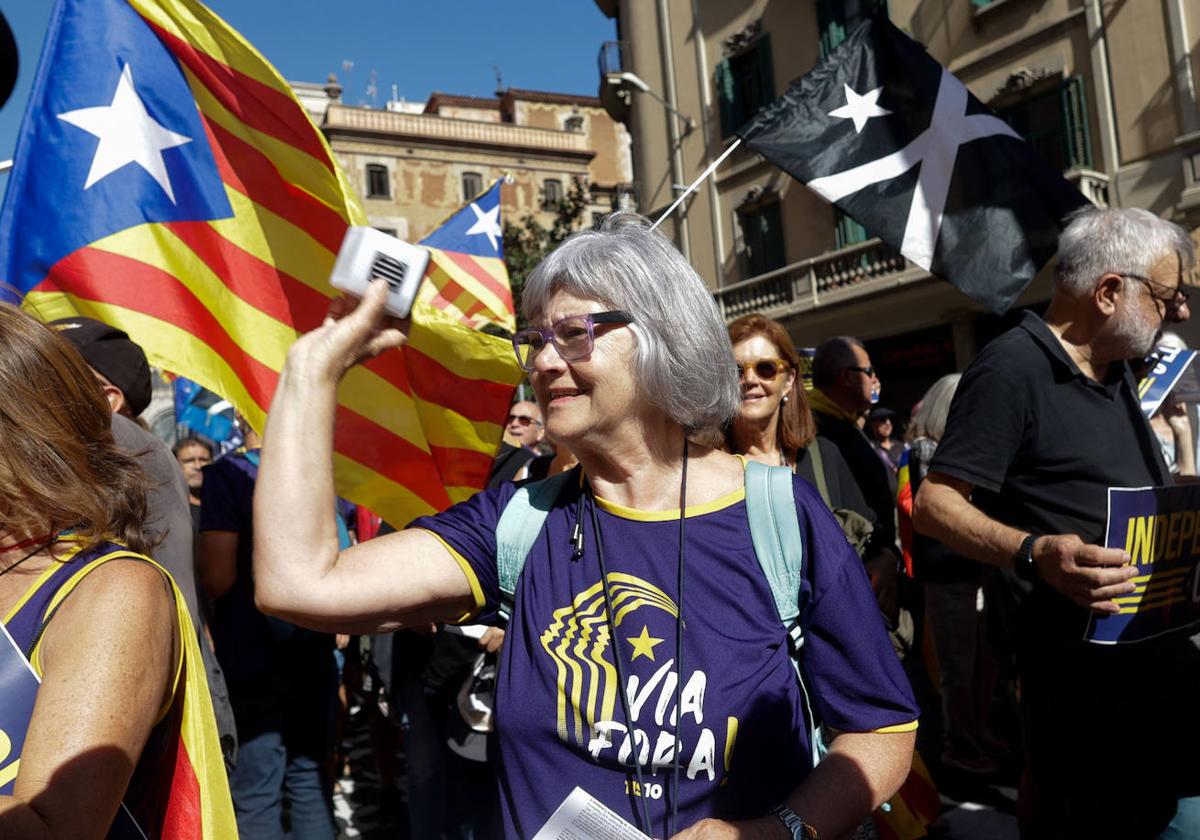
x: 35, y: 659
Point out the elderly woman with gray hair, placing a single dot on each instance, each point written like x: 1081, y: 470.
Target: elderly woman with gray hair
x: 677, y: 708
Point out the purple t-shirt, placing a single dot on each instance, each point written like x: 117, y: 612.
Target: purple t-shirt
x: 744, y: 744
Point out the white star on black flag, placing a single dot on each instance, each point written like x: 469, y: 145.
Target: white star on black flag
x: 889, y: 136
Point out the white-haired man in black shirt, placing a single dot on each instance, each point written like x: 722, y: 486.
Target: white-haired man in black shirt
x: 1045, y: 420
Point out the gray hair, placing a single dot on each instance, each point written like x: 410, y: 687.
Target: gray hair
x: 832, y: 357
x: 684, y: 362
x: 1099, y: 241
x: 930, y: 418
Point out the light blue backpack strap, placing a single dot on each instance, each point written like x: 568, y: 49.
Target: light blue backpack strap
x: 775, y: 532
x: 520, y: 523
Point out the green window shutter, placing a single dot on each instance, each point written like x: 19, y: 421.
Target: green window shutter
x: 830, y: 24
x: 1077, y: 135
x: 846, y: 231
x: 726, y: 98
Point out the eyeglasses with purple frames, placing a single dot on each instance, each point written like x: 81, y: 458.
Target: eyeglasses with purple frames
x: 574, y: 337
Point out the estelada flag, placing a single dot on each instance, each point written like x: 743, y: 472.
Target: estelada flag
x: 167, y: 182
x: 467, y: 278
x: 881, y: 130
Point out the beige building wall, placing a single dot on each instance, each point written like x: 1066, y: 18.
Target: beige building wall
x: 529, y: 136
x: 1128, y: 56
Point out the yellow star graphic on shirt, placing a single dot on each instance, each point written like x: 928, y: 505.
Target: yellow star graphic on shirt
x: 643, y: 645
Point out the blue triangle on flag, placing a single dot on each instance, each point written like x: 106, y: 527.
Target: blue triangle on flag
x: 474, y: 230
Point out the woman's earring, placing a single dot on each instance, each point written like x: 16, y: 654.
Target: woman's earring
x: 784, y: 400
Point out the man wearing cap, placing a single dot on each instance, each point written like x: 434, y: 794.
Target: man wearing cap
x: 120, y: 367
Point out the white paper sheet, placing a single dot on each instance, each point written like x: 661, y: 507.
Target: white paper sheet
x: 582, y: 816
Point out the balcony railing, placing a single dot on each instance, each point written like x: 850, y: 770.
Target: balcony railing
x: 849, y: 272
x: 434, y: 127
x: 1093, y: 184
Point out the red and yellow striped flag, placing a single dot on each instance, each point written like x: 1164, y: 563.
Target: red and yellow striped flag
x: 467, y: 278
x: 168, y: 182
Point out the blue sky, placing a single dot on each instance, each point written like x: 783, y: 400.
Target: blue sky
x: 418, y: 45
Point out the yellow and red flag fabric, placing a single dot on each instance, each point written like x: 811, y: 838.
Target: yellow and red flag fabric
x: 914, y: 807
x: 167, y: 182
x: 904, y: 508
x: 467, y: 278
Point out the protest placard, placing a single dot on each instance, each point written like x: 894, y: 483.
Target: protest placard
x: 1160, y: 529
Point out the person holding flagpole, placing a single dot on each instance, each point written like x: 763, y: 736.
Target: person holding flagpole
x: 645, y: 662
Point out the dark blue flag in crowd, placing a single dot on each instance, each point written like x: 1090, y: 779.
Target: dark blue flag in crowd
x: 199, y: 411
x: 889, y: 136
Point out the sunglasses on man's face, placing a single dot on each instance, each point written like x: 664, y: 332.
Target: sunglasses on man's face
x: 523, y: 420
x: 764, y: 369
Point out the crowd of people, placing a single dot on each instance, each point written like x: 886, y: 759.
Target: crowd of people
x: 717, y: 600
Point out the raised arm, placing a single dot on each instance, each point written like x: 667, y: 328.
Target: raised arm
x: 399, y: 579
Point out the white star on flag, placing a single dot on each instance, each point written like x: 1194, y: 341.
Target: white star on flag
x: 486, y: 223
x: 860, y: 108
x: 128, y: 134
x: 935, y: 149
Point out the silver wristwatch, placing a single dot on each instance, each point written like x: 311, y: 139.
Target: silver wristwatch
x: 791, y: 820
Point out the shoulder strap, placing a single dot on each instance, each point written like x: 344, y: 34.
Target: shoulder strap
x: 814, y: 452
x: 520, y: 523
x: 775, y: 532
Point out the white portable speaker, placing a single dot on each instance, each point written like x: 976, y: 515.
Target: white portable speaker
x: 367, y: 254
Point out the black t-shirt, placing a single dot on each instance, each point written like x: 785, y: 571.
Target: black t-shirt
x: 270, y: 665
x: 1042, y: 443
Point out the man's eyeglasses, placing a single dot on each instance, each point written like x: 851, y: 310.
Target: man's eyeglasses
x: 1172, y: 299
x: 869, y: 371
x: 765, y: 369
x: 574, y: 337
x: 523, y: 420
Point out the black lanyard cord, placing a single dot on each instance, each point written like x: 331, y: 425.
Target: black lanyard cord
x: 640, y: 793
x: 577, y: 541
x: 674, y: 824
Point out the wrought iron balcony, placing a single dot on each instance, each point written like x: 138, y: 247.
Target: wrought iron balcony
x: 835, y: 276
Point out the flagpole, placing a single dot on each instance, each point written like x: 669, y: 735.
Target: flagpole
x: 712, y: 166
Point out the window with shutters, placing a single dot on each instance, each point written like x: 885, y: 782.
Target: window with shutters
x: 551, y: 193
x: 377, y: 181
x: 762, y: 239
x: 472, y: 185
x: 837, y: 18
x: 846, y: 231
x: 745, y: 82
x: 1055, y: 122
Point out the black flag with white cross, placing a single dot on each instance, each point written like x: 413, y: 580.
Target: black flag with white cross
x: 885, y: 133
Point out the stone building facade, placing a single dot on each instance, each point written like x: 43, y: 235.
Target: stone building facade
x: 1107, y: 91
x: 414, y: 164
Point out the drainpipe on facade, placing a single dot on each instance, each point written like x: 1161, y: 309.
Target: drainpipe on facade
x: 714, y: 197
x: 1185, y: 82
x: 1102, y: 83
x: 668, y: 60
